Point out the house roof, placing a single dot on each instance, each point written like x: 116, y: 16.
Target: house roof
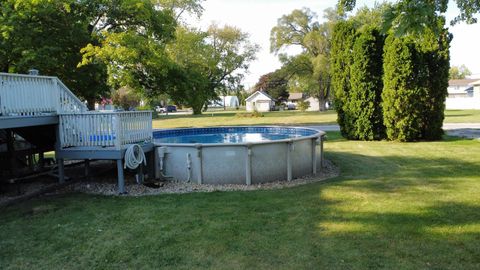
x: 259, y: 93
x: 295, y: 96
x: 476, y: 82
x: 463, y: 82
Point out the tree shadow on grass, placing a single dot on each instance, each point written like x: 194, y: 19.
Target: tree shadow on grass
x: 392, y: 173
x: 444, y: 235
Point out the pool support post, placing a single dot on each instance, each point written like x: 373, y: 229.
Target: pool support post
x: 290, y: 148
x: 200, y: 169
x: 314, y: 155
x: 248, y: 178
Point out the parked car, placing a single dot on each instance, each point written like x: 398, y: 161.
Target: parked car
x: 169, y: 108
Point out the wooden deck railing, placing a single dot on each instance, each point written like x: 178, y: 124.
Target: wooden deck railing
x: 115, y: 129
x: 34, y: 95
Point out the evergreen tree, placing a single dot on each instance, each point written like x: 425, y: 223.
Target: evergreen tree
x: 363, y: 102
x: 341, y: 59
x: 415, y: 86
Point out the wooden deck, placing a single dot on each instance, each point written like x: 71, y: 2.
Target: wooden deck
x: 28, y: 101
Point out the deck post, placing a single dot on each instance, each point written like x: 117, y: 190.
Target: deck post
x: 11, y: 151
x: 41, y: 159
x: 87, y: 167
x: 61, y: 171
x: 121, y: 178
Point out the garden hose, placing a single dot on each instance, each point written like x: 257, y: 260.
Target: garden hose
x: 134, y: 156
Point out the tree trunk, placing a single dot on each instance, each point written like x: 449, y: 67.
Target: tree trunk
x: 197, y: 110
x: 91, y: 104
x: 321, y: 100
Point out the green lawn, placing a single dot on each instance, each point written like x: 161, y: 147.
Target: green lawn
x: 462, y: 116
x: 221, y: 118
x: 395, y: 206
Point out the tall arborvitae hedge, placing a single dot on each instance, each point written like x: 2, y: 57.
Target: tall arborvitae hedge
x: 415, y: 86
x: 341, y: 60
x: 363, y: 104
x: 436, y: 56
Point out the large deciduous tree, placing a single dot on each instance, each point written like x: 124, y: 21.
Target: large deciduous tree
x: 48, y: 36
x: 299, y: 28
x: 415, y: 16
x: 458, y: 73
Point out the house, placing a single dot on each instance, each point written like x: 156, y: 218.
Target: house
x: 260, y: 101
x: 463, y: 95
x: 460, y: 88
x: 295, y: 97
x: 314, y: 104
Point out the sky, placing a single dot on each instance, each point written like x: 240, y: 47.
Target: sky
x: 258, y: 17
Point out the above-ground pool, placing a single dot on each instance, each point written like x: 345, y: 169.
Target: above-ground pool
x: 238, y: 155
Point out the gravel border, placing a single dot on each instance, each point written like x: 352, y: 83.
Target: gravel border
x: 109, y: 188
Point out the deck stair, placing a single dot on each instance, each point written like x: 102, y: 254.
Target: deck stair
x: 48, y: 116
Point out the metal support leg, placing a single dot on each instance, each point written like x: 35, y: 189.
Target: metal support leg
x: 248, y: 176
x: 289, y: 161
x: 200, y: 164
x: 61, y: 171
x: 121, y: 178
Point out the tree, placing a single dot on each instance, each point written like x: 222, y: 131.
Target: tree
x: 274, y: 84
x: 231, y: 54
x: 414, y: 16
x: 48, y: 36
x: 415, y: 86
x: 363, y: 102
x: 341, y: 61
x: 299, y: 29
x: 458, y: 73
x: 125, y: 98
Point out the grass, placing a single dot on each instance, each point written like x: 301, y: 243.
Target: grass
x: 230, y: 118
x: 395, y: 206
x: 462, y: 116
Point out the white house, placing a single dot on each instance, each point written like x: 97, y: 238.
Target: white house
x: 463, y: 95
x: 460, y: 88
x: 314, y: 104
x: 259, y: 101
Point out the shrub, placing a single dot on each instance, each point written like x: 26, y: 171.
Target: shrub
x: 363, y: 103
x: 303, y: 105
x: 341, y: 59
x: 415, y: 86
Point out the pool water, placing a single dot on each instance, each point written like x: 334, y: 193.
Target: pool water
x: 226, y: 138
x: 228, y: 135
